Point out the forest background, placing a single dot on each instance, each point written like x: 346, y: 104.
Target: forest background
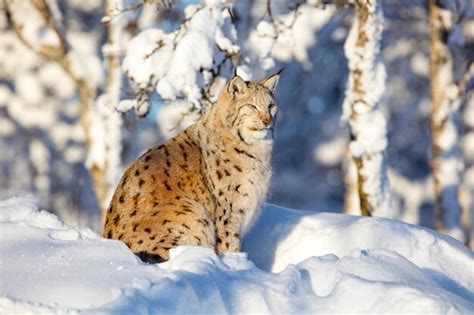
x: 376, y: 108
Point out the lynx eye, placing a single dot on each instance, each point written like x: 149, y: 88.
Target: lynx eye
x: 252, y: 106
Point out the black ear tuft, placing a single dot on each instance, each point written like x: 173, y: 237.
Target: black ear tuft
x: 272, y: 82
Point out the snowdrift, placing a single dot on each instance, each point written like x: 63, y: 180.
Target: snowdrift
x: 298, y: 262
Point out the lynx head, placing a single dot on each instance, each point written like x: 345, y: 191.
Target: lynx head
x: 249, y: 109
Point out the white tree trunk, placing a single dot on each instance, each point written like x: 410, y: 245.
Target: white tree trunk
x: 351, y: 195
x: 467, y: 188
x: 366, y: 122
x: 106, y: 147
x: 446, y: 162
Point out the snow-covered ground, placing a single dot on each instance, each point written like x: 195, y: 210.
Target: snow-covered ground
x: 298, y: 262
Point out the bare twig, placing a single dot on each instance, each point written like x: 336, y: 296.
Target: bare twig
x: 114, y: 12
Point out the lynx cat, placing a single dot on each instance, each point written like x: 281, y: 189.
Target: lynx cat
x: 206, y: 185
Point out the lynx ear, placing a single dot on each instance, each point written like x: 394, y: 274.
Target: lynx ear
x: 236, y: 86
x: 272, y: 82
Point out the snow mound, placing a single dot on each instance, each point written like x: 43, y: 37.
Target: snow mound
x: 298, y: 262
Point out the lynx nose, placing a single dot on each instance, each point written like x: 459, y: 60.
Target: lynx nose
x: 267, y: 121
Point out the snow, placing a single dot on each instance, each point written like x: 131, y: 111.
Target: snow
x: 297, y: 262
x: 287, y: 36
x: 176, y: 116
x: 33, y: 27
x: 331, y: 153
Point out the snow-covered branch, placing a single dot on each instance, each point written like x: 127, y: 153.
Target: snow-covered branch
x: 187, y: 64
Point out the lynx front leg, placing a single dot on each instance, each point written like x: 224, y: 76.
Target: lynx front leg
x: 228, y: 227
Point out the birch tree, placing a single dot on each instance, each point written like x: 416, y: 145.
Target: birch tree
x: 467, y: 187
x: 367, y: 125
x: 446, y: 95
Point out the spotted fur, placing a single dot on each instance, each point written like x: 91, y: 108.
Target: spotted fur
x: 205, y: 186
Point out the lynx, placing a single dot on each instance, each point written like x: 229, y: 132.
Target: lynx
x: 205, y: 186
